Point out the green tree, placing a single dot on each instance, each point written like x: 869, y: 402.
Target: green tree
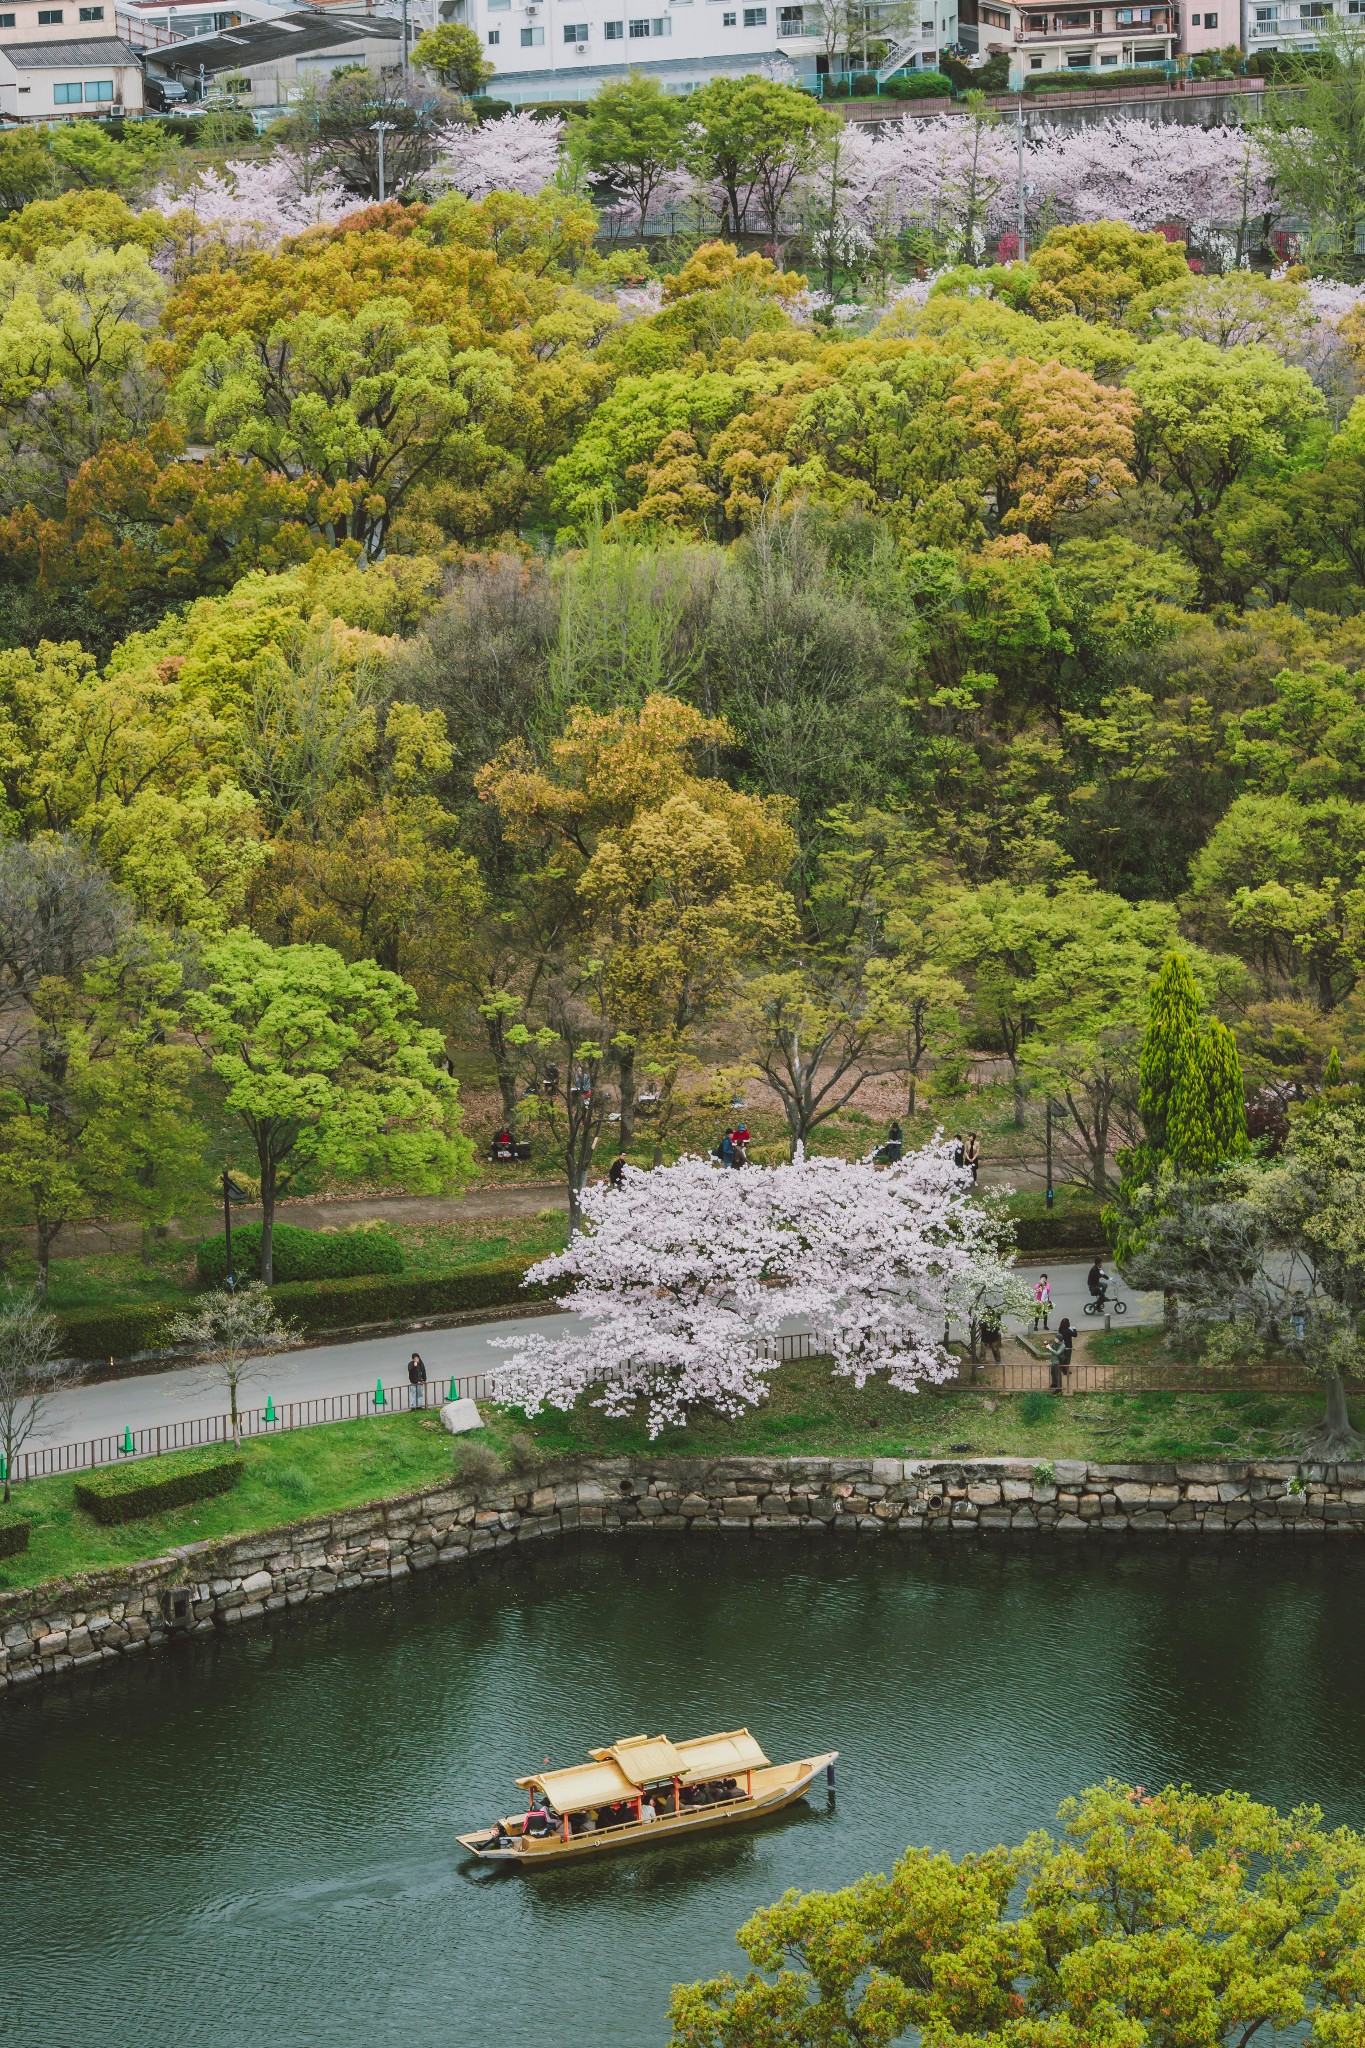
x: 1167, y: 1917
x: 754, y: 138
x: 1314, y: 138
x: 328, y: 1068
x: 1207, y: 1122
x: 454, y: 56
x: 1212, y: 416
x: 372, y: 403
x: 634, y: 134
x: 1173, y: 1012
x: 228, y: 1331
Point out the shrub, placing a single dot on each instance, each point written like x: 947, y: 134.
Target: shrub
x: 13, y: 1533
x: 300, y: 1254
x: 100, y: 1333
x: 1037, y: 1406
x: 490, y: 110
x: 384, y: 1298
x: 1262, y: 1415
x: 477, y: 1464
x: 1078, y: 1227
x: 1095, y: 81
x: 918, y: 85
x: 125, y: 1493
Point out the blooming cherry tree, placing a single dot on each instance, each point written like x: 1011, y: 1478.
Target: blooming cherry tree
x: 255, y: 205
x: 516, y: 153
x: 684, y: 1279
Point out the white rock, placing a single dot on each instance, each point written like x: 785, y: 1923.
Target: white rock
x: 458, y: 1416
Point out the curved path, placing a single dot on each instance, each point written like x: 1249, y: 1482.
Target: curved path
x: 348, y: 1367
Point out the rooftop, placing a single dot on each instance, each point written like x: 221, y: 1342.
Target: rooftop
x: 70, y: 56
x: 288, y: 35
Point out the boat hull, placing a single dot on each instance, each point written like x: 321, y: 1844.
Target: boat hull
x: 774, y: 1787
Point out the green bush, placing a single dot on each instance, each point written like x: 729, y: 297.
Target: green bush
x: 103, y: 1333
x: 13, y: 1533
x: 1077, y: 1227
x: 383, y: 1298
x: 1262, y: 1415
x: 300, y: 1254
x: 490, y: 110
x: 918, y: 85
x: 1095, y: 81
x: 1037, y: 1406
x: 125, y: 1493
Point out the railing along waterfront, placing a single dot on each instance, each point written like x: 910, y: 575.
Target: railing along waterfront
x: 125, y: 1445
x: 1085, y: 1376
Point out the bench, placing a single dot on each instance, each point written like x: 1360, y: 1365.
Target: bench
x: 505, y: 1154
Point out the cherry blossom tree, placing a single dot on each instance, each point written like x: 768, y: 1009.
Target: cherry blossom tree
x: 250, y: 205
x: 685, y: 1277
x: 516, y: 153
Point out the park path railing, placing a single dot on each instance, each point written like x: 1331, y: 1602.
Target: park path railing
x: 1012, y: 1376
x: 154, y: 1442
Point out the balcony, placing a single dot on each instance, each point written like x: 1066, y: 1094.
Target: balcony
x: 1091, y: 22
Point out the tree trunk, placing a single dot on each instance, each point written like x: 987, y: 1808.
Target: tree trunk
x: 1335, y: 1436
x: 625, y: 1067
x: 910, y: 1097
x: 502, y: 1066
x: 267, y: 1221
x: 1020, y: 1095
x: 47, y: 1237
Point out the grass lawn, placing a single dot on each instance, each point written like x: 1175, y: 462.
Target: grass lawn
x: 809, y: 1411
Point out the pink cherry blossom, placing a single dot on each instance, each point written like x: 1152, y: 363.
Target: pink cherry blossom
x: 516, y: 153
x: 686, y: 1277
x: 256, y: 205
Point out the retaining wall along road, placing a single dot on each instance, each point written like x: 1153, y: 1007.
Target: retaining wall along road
x: 75, y: 1625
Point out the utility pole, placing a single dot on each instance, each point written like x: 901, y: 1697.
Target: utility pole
x: 381, y: 129
x: 405, y: 41
x: 1049, y: 1151
x: 1020, y: 189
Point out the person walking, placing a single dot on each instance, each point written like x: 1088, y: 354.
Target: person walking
x: 1061, y: 1355
x: 989, y: 1327
x: 1042, y: 1301
x: 725, y: 1151
x: 971, y: 1157
x: 959, y: 1151
x: 417, y: 1380
x: 616, y: 1172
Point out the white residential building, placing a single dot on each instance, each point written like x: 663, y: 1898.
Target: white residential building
x: 73, y: 80
x: 1039, y: 39
x: 1293, y: 24
x: 565, y: 49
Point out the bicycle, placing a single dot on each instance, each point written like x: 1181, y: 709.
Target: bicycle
x: 1105, y: 1304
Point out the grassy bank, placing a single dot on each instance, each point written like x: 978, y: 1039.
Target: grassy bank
x: 809, y: 1412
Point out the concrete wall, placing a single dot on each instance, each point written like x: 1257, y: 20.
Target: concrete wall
x: 77, y: 1625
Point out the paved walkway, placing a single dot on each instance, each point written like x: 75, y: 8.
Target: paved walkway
x: 349, y: 1367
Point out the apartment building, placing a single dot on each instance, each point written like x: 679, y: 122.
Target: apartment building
x: 1042, y: 39
x: 67, y: 60
x: 1293, y: 24
x: 565, y: 49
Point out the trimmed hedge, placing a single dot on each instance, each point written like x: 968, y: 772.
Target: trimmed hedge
x: 299, y: 1254
x: 13, y: 1533
x: 381, y: 1298
x: 125, y: 1493
x: 103, y: 1333
x: 918, y: 85
x: 1095, y: 81
x: 1078, y: 1227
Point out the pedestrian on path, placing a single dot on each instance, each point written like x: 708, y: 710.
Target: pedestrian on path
x: 1042, y: 1302
x: 971, y: 1157
x: 990, y: 1331
x: 417, y: 1380
x: 1061, y: 1355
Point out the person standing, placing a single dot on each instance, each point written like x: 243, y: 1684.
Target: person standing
x: 971, y: 1157
x: 959, y: 1152
x: 1042, y: 1301
x: 616, y: 1172
x: 990, y: 1331
x: 895, y: 1144
x: 1061, y: 1355
x: 417, y: 1380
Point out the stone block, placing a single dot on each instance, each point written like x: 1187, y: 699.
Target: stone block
x: 461, y: 1416
x: 259, y: 1582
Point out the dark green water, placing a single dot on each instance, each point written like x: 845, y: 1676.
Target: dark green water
x: 249, y: 1842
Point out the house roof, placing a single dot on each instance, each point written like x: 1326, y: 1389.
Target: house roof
x: 88, y: 55
x: 266, y: 42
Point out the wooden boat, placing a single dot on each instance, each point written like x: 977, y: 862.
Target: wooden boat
x: 689, y: 1787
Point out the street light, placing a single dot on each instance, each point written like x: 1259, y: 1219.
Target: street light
x: 231, y: 1193
x: 381, y: 129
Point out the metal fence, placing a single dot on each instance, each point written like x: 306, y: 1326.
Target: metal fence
x: 1084, y: 1376
x: 126, y: 1445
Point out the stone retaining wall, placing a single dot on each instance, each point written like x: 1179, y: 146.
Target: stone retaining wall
x: 78, y: 1624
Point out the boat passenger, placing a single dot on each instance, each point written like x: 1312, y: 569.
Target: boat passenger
x: 539, y: 1822
x: 730, y: 1789
x: 647, y: 1812
x: 584, y: 1823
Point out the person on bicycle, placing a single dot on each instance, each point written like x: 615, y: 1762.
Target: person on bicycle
x: 1097, y: 1280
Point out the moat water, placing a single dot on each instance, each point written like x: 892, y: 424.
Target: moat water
x: 249, y: 1841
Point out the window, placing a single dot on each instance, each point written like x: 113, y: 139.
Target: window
x: 755, y: 17
x: 99, y: 89
x: 92, y: 13
x: 1107, y: 60
x: 1035, y: 63
x: 48, y: 17
x: 494, y: 38
x: 575, y: 31
x: 1266, y: 17
x: 613, y: 30
x: 1210, y: 21
x: 1310, y: 10
x: 496, y: 6
x: 66, y: 95
x: 532, y: 38
x: 727, y: 20
x: 639, y: 28
x: 790, y: 21
x: 6, y: 21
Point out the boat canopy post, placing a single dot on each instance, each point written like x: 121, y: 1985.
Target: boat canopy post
x: 677, y: 1796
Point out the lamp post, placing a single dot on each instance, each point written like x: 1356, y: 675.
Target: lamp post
x: 1048, y: 1114
x: 381, y: 129
x: 231, y: 1193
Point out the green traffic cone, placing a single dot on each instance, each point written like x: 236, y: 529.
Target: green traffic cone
x: 379, y: 1393
x: 126, y: 1448
x: 270, y: 1407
